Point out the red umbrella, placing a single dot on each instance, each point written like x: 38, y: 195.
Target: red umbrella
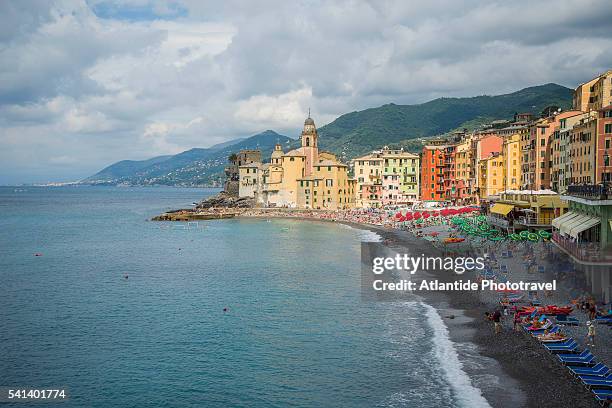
x: 426, y: 215
x: 398, y: 215
x: 408, y: 217
x: 416, y: 215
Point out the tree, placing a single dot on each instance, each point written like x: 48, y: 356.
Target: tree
x: 232, y: 157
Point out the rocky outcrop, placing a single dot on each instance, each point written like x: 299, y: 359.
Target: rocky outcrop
x: 226, y: 200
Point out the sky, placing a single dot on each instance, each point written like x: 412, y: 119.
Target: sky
x: 86, y: 83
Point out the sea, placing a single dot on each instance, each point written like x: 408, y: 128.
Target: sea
x: 126, y: 312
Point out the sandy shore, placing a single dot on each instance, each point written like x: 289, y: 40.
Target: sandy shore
x: 510, y: 369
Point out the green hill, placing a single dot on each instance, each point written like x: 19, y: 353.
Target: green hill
x: 194, y: 167
x: 356, y: 133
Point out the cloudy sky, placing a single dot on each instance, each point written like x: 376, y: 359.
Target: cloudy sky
x: 87, y: 83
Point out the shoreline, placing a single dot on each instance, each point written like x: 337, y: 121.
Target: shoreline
x: 515, y: 372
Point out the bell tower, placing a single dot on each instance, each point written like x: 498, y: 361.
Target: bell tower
x: 309, y: 139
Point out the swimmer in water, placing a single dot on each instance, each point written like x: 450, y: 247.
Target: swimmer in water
x: 225, y: 309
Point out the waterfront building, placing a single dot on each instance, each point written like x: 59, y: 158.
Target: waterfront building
x: 402, y: 170
x: 582, y: 148
x: 301, y: 178
x: 585, y: 234
x: 594, y: 94
x: 368, y: 170
x: 537, y: 154
x: 463, y: 162
x: 250, y: 176
x: 394, y: 170
x: 517, y: 210
x: 491, y: 176
x: 511, y: 156
x: 603, y: 171
x: 560, y: 147
x: 432, y: 173
x: 232, y: 171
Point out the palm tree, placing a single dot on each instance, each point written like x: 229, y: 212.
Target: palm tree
x: 232, y: 157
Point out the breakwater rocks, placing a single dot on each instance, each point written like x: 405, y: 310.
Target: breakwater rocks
x: 193, y: 215
x: 225, y: 200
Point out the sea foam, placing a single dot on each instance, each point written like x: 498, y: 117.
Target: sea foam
x: 465, y: 392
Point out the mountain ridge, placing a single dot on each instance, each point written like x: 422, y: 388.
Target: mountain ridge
x: 348, y: 136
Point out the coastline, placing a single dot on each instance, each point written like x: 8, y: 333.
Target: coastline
x: 510, y: 369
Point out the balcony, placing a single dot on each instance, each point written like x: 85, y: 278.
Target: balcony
x: 591, y: 192
x: 584, y: 252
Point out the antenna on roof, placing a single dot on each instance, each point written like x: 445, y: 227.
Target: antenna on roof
x: 308, y: 111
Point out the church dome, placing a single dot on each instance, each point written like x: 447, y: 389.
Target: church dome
x: 309, y: 121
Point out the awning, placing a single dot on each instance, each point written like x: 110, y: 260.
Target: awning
x: 559, y: 220
x: 566, y: 227
x: 501, y: 209
x: 568, y: 223
x: 586, y: 223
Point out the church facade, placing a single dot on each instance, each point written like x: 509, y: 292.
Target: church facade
x: 301, y: 178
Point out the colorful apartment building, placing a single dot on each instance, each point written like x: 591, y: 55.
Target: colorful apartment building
x: 432, y: 173
x: 603, y: 171
x: 491, y: 176
x: 595, y: 94
x: 581, y: 151
x: 537, y: 157
x: 367, y: 171
x: 511, y: 156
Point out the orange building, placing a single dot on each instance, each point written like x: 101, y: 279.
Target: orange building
x: 432, y: 173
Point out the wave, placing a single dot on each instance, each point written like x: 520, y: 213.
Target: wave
x: 364, y: 235
x: 466, y: 394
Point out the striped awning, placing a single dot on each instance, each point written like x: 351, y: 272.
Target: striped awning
x: 559, y: 220
x: 585, y: 223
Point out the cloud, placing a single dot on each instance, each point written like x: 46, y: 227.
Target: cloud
x: 102, y: 80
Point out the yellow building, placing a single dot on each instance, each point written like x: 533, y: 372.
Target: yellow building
x: 491, y: 176
x: 594, y: 94
x: 511, y: 156
x: 301, y: 178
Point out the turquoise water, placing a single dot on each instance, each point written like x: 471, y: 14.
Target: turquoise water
x: 296, y: 332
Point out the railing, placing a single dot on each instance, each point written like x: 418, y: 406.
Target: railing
x: 591, y: 191
x: 583, y: 251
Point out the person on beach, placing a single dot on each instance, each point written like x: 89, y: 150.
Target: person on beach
x: 497, y: 321
x: 590, y: 333
x: 592, y: 311
x: 517, y: 321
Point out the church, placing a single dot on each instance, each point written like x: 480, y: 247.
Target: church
x: 301, y: 178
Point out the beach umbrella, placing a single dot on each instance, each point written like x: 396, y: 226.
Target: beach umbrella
x: 416, y: 215
x: 408, y: 217
x: 426, y: 215
x: 398, y: 215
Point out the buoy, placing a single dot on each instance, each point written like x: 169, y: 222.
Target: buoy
x: 225, y: 309
x: 126, y: 276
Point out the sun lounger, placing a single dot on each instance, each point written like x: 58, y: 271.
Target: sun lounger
x: 588, y: 361
x: 607, y: 376
x: 598, y: 368
x: 585, y: 353
x: 572, y: 348
x: 603, y: 320
x: 598, y: 383
x: 538, y: 332
x: 564, y: 319
x: 602, y: 395
x: 564, y: 345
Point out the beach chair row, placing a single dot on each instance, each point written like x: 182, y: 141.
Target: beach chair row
x: 595, y: 376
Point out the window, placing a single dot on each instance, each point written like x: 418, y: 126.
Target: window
x: 608, y: 128
x: 329, y: 183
